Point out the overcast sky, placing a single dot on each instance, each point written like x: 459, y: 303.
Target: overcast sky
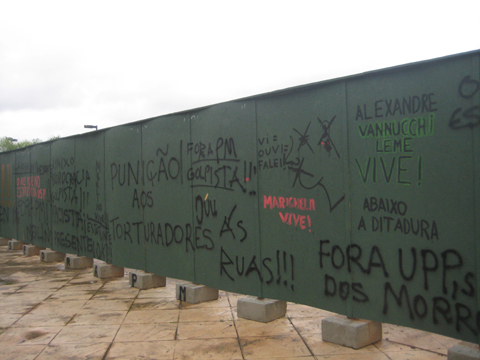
x: 64, y: 63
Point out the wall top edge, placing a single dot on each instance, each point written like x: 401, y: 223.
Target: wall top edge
x: 279, y: 92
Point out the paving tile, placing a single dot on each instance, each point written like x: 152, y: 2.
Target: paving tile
x: 235, y: 314
x: 7, y: 320
x: 221, y: 349
x: 98, y: 304
x: 324, y: 348
x: 155, y: 304
x: 154, y: 350
x: 290, y: 358
x: 117, y: 284
x: 86, y: 317
x: 43, y: 319
x: 356, y: 356
x: 274, y: 347
x: 151, y: 316
x: 32, y: 297
x: 206, y: 314
x: 29, y: 336
x: 160, y: 292
x: 5, y: 271
x: 417, y: 338
x: 404, y: 352
x: 116, y: 294
x: 85, y: 279
x: 59, y: 275
x: 445, y: 341
x: 9, y: 289
x: 94, y: 351
x: 20, y: 276
x: 17, y: 307
x: 18, y: 352
x: 86, y: 334
x: 233, y: 299
x: 5, y: 275
x: 82, y: 286
x: 50, y: 306
x: 67, y: 294
x: 308, y: 325
x: 248, y: 328
x: 146, y: 332
x: 414, y: 355
x: 25, y: 260
x: 220, y: 302
x: 44, y: 285
x: 388, y: 346
x: 206, y: 330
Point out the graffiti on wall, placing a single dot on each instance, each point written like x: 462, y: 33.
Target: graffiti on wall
x: 354, y: 202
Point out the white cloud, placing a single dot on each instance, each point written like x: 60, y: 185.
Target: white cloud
x: 65, y: 64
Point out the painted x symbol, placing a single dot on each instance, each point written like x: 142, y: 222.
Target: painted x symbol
x: 325, y: 139
x: 304, y: 138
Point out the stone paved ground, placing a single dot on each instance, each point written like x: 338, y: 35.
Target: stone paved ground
x: 47, y: 312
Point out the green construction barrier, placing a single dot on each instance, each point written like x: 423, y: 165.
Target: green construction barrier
x: 357, y: 195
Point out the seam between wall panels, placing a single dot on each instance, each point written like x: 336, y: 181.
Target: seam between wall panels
x: 348, y: 192
x: 105, y: 190
x: 257, y: 177
x: 50, y: 218
x: 75, y: 170
x: 143, y: 189
x: 30, y: 174
x: 192, y: 202
x: 476, y: 185
x: 14, y: 177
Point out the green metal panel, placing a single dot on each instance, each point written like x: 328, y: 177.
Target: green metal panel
x: 411, y: 198
x: 167, y: 229
x: 8, y: 227
x: 67, y: 197
x: 94, y: 236
x: 302, y: 193
x: 40, y: 196
x: 124, y: 181
x: 224, y: 182
x: 24, y: 202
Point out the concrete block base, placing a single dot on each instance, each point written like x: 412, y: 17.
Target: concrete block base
x: 143, y: 280
x: 464, y: 351
x: 195, y: 294
x: 261, y: 310
x: 352, y: 333
x: 105, y: 271
x: 15, y: 245
x: 50, y: 256
x: 4, y: 241
x: 78, y: 262
x: 32, y: 250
